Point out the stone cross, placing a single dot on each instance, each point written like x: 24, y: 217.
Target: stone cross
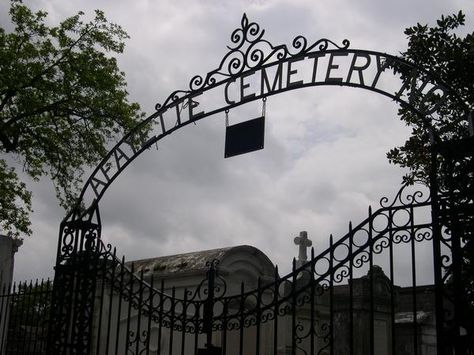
x: 303, y: 242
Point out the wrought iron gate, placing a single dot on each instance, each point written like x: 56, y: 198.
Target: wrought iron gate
x: 344, y: 300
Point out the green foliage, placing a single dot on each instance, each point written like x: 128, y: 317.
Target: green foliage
x: 450, y: 58
x: 63, y: 100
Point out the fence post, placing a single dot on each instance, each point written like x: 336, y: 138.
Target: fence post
x: 72, y: 307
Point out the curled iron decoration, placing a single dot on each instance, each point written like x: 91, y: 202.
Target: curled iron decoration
x: 381, y: 244
x: 406, y: 198
x: 249, y: 51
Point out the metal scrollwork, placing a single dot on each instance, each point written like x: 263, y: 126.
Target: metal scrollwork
x: 406, y: 198
x: 249, y: 51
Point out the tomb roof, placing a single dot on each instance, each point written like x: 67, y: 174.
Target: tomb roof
x: 198, y: 261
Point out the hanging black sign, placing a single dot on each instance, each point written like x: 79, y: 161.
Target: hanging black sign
x: 244, y: 137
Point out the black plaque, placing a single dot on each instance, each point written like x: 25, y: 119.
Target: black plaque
x: 244, y: 137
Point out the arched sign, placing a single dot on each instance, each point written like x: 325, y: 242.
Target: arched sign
x: 254, y: 69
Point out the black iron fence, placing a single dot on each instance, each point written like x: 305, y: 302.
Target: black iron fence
x: 25, y: 309
x: 372, y: 291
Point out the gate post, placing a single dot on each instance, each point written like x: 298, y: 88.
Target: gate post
x: 438, y: 274
x: 72, y: 306
x: 452, y: 207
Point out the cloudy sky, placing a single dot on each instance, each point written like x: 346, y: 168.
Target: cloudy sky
x: 324, y: 159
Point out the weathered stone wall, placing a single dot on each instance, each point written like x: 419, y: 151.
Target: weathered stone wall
x: 8, y: 248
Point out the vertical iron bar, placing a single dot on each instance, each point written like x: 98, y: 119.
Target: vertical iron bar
x: 49, y: 290
x: 129, y: 311
x: 224, y: 328
x: 78, y: 283
x: 23, y: 314
x: 173, y: 303
x: 13, y: 317
x: 4, y: 314
x: 101, y: 302
x: 242, y: 319
x: 392, y: 281
x: 371, y: 283
x: 37, y: 300
x: 160, y: 313
x: 438, y: 276
x: 197, y: 306
x: 139, y: 311
x: 293, y: 310
x: 111, y: 299
x: 312, y: 305
x: 44, y: 321
x: 351, y: 291
x: 209, y: 306
x: 258, y: 315
x: 413, y: 275
x: 183, y: 320
x: 331, y: 294
x: 119, y: 310
x: 275, y: 311
x: 150, y: 312
x: 458, y: 289
x: 27, y: 314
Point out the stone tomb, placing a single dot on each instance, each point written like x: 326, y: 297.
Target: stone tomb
x: 237, y: 265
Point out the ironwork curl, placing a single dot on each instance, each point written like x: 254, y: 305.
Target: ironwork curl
x: 405, y: 198
x: 381, y: 244
x: 424, y: 234
x: 248, y: 51
x: 341, y: 273
x: 361, y: 258
x: 401, y: 237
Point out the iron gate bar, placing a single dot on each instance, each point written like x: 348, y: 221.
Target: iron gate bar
x: 371, y: 283
x: 392, y: 284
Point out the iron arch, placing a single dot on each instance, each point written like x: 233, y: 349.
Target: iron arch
x: 254, y: 69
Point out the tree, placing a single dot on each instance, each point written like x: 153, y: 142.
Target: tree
x: 63, y: 100
x: 449, y: 57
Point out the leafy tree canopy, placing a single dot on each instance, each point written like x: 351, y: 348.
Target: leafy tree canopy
x: 63, y: 99
x: 442, y: 53
x: 445, y: 55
